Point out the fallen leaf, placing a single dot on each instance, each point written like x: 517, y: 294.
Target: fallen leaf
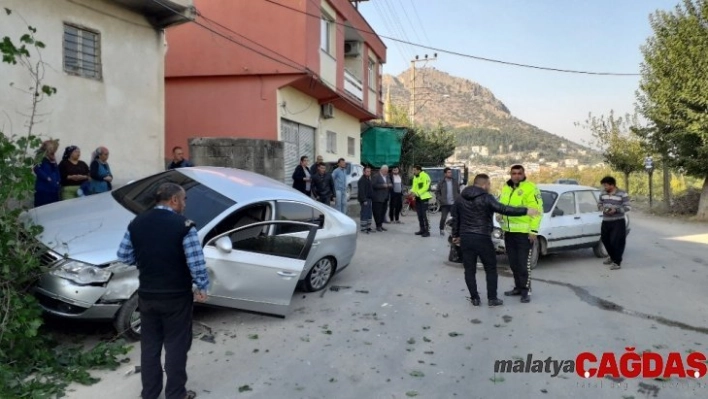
x: 411, y: 341
x: 428, y: 352
x: 496, y: 379
x: 544, y: 390
x: 253, y: 336
x: 417, y: 373
x: 229, y: 353
x: 426, y: 339
x: 454, y: 334
x: 412, y: 394
x: 244, y: 388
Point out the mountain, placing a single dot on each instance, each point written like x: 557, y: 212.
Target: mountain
x: 484, y: 127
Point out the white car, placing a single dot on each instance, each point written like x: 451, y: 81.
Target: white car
x: 570, y: 221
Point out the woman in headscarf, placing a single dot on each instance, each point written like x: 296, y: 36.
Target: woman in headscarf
x: 101, y: 176
x: 74, y: 172
x: 47, y: 184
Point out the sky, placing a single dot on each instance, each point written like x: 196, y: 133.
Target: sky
x: 597, y: 35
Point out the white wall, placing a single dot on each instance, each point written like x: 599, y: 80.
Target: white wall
x: 301, y: 108
x: 124, y: 111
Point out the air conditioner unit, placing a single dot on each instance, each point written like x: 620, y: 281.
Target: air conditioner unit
x: 327, y: 111
x: 352, y: 49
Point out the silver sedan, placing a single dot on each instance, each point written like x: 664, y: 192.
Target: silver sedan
x: 261, y: 239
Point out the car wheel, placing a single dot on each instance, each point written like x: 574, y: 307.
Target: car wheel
x: 599, y: 250
x: 434, y: 207
x: 535, y: 253
x: 320, y: 274
x: 127, y: 321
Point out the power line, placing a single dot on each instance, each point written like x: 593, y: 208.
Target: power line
x: 463, y: 55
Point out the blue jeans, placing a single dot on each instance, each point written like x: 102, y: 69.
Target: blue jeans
x: 340, y: 203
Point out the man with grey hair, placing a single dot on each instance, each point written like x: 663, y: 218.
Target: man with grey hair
x: 166, y: 249
x: 382, y: 187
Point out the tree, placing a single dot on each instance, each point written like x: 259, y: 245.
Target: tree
x: 621, y: 148
x: 673, y: 92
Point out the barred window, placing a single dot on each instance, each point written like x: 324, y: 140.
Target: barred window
x: 331, y: 142
x: 82, y: 52
x: 351, y: 146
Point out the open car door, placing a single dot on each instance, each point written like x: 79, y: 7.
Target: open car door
x: 255, y: 268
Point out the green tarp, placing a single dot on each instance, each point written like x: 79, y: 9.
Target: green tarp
x: 381, y: 146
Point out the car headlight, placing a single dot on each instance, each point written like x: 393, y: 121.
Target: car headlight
x: 497, y: 233
x: 81, y: 273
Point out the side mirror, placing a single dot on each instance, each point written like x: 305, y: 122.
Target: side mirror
x: 557, y: 212
x: 224, y: 244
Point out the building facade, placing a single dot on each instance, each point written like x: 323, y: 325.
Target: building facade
x: 106, y: 60
x: 303, y: 72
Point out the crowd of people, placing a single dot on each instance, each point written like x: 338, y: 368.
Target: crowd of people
x: 70, y: 177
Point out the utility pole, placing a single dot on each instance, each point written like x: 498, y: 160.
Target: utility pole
x: 413, y: 67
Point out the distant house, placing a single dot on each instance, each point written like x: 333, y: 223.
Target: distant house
x: 306, y: 73
x: 106, y: 59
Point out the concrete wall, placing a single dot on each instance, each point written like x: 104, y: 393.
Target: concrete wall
x: 123, y: 111
x: 261, y: 156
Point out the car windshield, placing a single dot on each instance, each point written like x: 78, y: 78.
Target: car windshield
x: 203, y: 203
x: 548, y: 198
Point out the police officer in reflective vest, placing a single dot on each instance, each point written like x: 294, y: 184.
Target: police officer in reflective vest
x: 166, y: 249
x: 520, y: 231
x: 421, y: 190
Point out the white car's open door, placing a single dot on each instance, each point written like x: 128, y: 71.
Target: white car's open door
x: 255, y: 268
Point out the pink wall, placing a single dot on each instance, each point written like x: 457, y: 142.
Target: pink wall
x: 243, y: 106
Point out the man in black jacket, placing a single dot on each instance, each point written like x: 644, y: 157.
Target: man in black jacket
x: 302, y: 178
x: 365, y: 196
x: 382, y: 186
x: 323, y: 185
x: 472, y: 227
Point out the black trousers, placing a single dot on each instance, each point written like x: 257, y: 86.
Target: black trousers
x: 614, y: 238
x: 379, y: 209
x: 518, y: 250
x: 479, y: 246
x: 394, y: 209
x: 168, y: 323
x: 421, y: 208
x: 444, y: 211
x: 325, y: 199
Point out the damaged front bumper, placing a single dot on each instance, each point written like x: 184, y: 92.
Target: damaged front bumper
x: 63, y: 298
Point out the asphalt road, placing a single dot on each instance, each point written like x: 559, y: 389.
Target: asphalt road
x: 399, y: 326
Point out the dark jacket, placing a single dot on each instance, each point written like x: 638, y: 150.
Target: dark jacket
x: 157, y: 236
x: 299, y: 183
x: 442, y: 191
x: 181, y: 164
x: 381, y: 188
x: 47, y: 184
x: 365, y: 188
x: 474, y: 210
x: 323, y: 185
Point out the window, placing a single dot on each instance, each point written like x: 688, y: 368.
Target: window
x: 586, y: 201
x: 326, y: 29
x: 548, y: 198
x: 372, y: 74
x: 351, y: 146
x: 82, y: 52
x: 331, y: 142
x: 242, y: 217
x: 276, y: 245
x: 203, y: 203
x: 566, y: 204
x: 300, y: 213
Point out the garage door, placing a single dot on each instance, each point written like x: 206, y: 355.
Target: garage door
x: 298, y: 140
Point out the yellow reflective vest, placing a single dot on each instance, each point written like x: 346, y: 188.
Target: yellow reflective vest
x: 421, y: 186
x: 527, y: 195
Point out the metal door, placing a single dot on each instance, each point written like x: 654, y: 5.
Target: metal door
x: 255, y: 268
x: 298, y: 140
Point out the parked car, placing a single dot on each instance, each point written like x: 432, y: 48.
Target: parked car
x: 261, y: 238
x: 354, y: 173
x: 570, y: 221
x: 436, y: 175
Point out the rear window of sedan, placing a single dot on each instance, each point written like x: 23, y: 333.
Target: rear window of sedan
x: 203, y: 203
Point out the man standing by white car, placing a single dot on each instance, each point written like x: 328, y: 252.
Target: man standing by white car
x: 614, y: 204
x: 340, y: 186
